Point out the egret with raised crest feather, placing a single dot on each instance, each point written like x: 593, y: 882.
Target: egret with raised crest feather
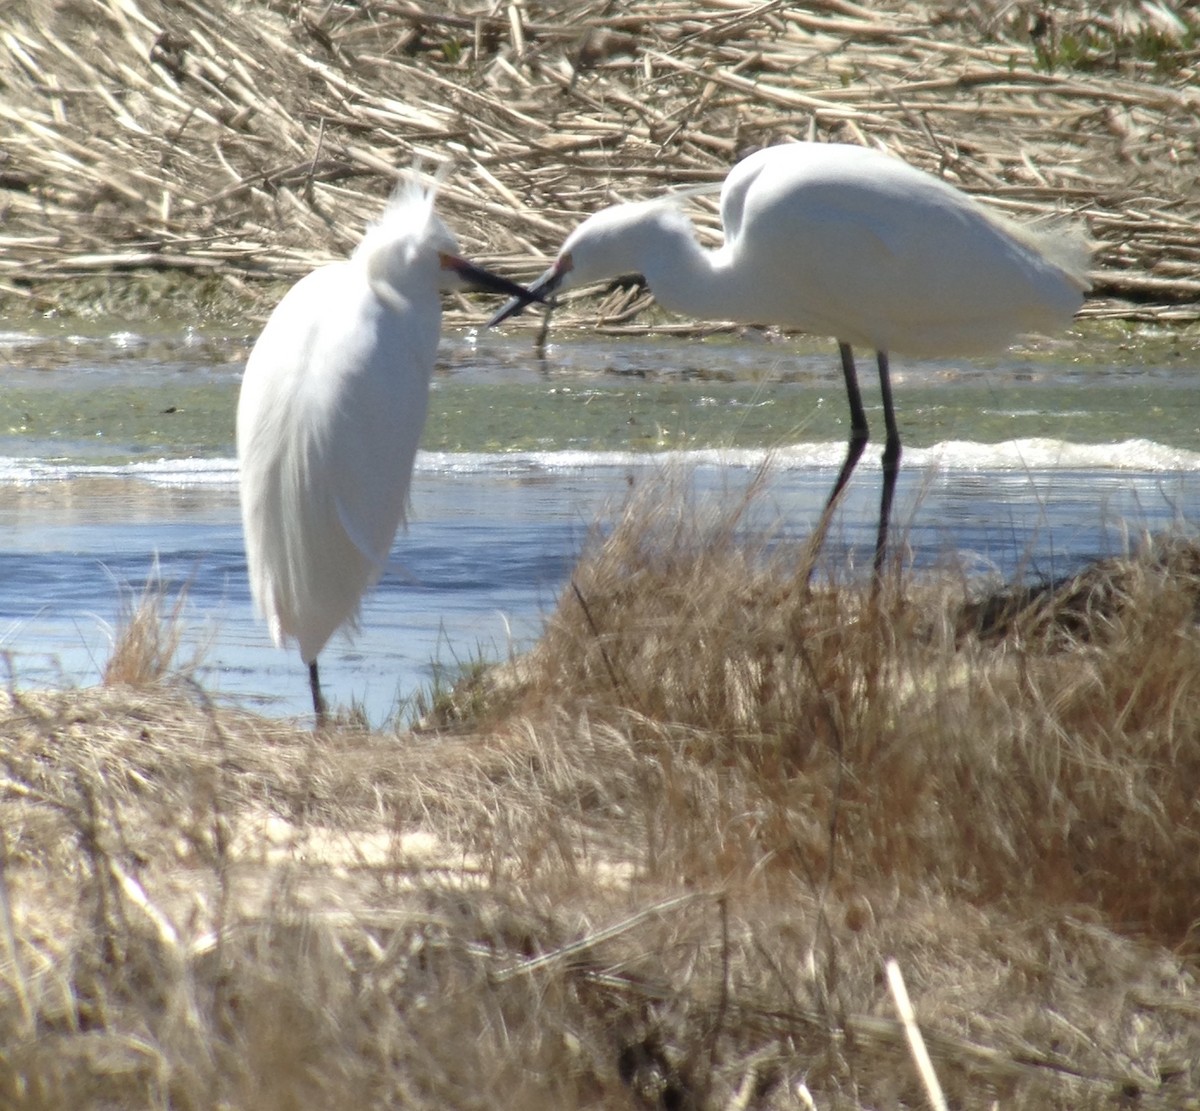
x: 848, y: 242
x: 332, y: 406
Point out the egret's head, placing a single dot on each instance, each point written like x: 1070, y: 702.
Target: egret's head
x: 611, y: 243
x: 410, y: 247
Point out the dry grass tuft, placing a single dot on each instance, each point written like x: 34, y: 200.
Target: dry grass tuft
x: 825, y: 738
x: 147, y: 639
x: 1088, y: 605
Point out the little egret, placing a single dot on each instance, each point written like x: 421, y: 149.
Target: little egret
x: 332, y: 405
x: 848, y: 242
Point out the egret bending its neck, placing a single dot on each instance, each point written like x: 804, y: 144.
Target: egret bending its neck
x: 658, y: 241
x: 848, y: 242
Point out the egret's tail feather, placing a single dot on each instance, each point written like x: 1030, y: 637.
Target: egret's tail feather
x: 1069, y: 248
x: 1063, y: 244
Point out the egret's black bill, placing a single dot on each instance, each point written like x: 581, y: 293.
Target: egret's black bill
x: 484, y: 281
x: 538, y: 291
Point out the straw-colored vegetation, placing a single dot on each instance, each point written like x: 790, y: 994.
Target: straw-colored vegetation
x: 148, y: 638
x: 251, y: 140
x: 663, y: 864
x: 662, y: 860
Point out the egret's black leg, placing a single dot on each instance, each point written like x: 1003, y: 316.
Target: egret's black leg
x: 859, y: 434
x: 539, y: 344
x: 891, y: 465
x: 314, y: 684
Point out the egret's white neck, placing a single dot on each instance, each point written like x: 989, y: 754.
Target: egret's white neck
x: 684, y: 276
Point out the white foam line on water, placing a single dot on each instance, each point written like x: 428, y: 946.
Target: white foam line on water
x: 951, y: 455
x: 162, y: 472
x: 1041, y: 454
x: 1145, y: 456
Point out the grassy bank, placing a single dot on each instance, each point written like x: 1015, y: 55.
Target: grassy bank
x: 661, y: 861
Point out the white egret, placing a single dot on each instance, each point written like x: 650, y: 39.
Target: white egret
x: 848, y: 242
x: 332, y: 405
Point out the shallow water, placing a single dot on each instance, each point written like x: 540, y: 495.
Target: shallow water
x: 116, y: 459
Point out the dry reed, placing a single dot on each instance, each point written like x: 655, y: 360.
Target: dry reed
x: 179, y: 137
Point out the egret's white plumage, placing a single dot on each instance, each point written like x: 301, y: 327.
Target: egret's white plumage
x: 848, y: 242
x: 332, y: 406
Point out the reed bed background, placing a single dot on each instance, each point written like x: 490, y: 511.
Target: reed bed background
x: 255, y: 140
x: 663, y: 860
